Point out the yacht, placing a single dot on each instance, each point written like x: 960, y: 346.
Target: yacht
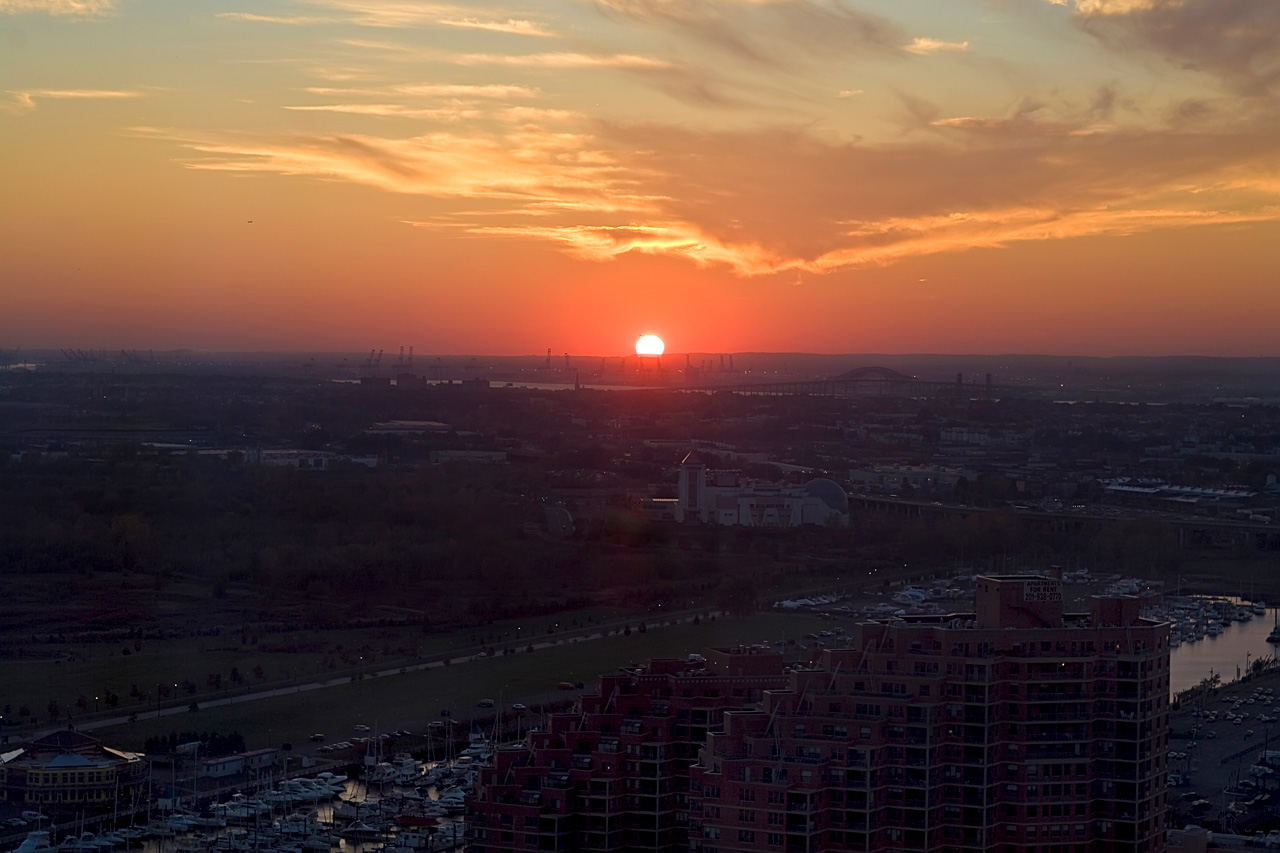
x: 37, y: 841
x: 362, y: 831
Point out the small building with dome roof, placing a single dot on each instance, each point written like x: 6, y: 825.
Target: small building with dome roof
x: 68, y: 770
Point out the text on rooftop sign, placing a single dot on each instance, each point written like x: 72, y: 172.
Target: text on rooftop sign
x: 1046, y: 590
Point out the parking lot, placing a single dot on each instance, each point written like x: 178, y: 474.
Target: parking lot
x: 1217, y: 749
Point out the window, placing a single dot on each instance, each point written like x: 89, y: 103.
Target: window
x: 747, y: 836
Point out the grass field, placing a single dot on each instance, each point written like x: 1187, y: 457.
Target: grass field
x: 412, y: 699
x: 283, y: 659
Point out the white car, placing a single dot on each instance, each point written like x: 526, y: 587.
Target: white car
x: 362, y: 728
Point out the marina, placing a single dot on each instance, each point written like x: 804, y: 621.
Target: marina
x: 401, y: 806
x: 1215, y: 636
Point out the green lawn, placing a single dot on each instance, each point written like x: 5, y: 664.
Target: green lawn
x: 411, y: 699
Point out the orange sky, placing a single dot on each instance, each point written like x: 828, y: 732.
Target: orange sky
x: 1066, y: 176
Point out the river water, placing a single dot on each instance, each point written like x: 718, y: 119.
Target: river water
x: 1225, y: 655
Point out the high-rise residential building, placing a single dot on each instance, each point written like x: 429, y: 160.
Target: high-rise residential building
x: 613, y: 775
x: 1016, y: 728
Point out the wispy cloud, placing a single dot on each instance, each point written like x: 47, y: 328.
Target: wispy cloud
x: 601, y: 191
x: 562, y: 60
x: 401, y: 14
x: 538, y: 168
x: 27, y: 100
x: 924, y: 46
x: 442, y: 114
x: 463, y: 91
x: 1235, y: 40
x: 80, y: 8
x: 300, y: 20
x: 775, y: 33
x: 511, y: 25
x: 397, y: 15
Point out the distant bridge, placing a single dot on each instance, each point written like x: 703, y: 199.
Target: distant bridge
x: 878, y: 382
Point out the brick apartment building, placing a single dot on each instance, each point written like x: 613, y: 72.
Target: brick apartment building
x: 1013, y: 728
x: 614, y: 775
x: 1017, y: 728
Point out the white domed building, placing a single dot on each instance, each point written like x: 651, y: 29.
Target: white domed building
x: 721, y: 499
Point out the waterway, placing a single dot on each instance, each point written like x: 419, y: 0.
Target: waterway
x: 1226, y: 655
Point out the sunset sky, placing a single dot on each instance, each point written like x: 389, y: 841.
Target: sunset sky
x: 1041, y: 176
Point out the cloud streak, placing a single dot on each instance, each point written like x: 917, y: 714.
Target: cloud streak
x: 600, y: 191
x: 769, y: 32
x: 27, y: 100
x: 71, y: 8
x: 924, y: 46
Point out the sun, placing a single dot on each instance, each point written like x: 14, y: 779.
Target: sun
x: 649, y: 345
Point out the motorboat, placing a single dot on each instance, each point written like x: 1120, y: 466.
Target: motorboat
x: 37, y: 841
x: 362, y: 831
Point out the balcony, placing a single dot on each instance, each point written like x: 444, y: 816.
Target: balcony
x: 580, y: 762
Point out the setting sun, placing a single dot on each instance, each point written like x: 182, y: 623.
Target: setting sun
x: 650, y: 345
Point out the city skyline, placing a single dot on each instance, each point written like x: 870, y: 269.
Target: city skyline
x: 1092, y: 177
